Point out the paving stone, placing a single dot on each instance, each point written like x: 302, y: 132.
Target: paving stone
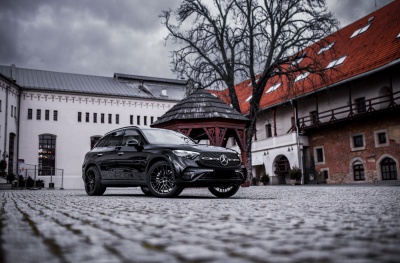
x: 274, y: 224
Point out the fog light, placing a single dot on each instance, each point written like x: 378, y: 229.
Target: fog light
x: 188, y: 175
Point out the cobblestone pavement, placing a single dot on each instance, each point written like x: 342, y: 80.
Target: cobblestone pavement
x: 259, y: 224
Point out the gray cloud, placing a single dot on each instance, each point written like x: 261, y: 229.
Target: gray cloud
x: 100, y: 37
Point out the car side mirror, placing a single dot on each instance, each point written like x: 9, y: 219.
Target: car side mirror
x: 133, y: 143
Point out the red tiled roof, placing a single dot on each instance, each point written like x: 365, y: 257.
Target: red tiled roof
x: 376, y: 47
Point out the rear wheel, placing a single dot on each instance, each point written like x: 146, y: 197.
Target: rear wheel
x: 224, y: 191
x: 93, y: 182
x: 160, y: 180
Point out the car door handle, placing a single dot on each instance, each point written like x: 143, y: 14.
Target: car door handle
x: 99, y: 154
x: 120, y: 153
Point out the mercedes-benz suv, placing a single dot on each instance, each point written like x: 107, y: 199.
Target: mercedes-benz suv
x: 161, y: 162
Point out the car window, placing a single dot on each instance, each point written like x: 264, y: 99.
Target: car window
x: 113, y: 139
x: 160, y: 136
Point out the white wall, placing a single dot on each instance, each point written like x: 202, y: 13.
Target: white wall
x: 73, y: 137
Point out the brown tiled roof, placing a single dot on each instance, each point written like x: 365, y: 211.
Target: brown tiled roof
x: 370, y: 50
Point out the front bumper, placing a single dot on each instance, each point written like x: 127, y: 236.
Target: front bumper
x: 210, y: 177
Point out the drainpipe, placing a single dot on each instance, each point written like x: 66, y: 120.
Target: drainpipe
x: 6, y: 121
x: 294, y: 104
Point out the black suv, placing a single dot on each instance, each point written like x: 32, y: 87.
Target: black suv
x: 162, y: 162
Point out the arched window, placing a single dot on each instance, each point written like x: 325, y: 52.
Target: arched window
x: 388, y: 168
x: 358, y: 171
x: 47, y: 154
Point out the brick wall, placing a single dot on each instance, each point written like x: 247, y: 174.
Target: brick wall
x: 339, y: 155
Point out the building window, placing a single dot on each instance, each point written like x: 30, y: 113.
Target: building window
x: 55, y: 115
x: 138, y: 120
x: 110, y: 118
x: 47, y: 115
x: 117, y: 118
x: 319, y: 156
x: 145, y: 120
x: 360, y: 105
x: 388, y: 169
x: 12, y: 111
x: 360, y: 31
x: 357, y: 142
x: 102, y: 118
x: 79, y: 116
x: 38, y: 114
x: 15, y: 112
x: 95, y: 117
x: 381, y: 138
x: 358, y: 171
x: 336, y: 62
x: 313, y: 117
x: 268, y: 130
x: 151, y: 120
x: 131, y: 119
x: 87, y: 117
x: 0, y: 106
x: 47, y: 154
x: 29, y: 114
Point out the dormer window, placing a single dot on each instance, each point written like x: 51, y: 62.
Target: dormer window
x: 249, y: 98
x: 336, y: 62
x: 274, y: 87
x: 302, y: 76
x: 360, y: 31
x: 322, y: 50
x: 398, y: 36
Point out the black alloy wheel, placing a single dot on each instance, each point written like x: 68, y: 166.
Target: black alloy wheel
x: 224, y: 191
x: 160, y: 180
x: 93, y: 182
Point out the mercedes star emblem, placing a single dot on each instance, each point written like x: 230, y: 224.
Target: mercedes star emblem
x: 223, y: 159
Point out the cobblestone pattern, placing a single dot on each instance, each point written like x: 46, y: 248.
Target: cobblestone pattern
x: 259, y: 224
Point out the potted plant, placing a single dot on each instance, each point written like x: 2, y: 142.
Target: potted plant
x: 265, y: 179
x: 295, y: 174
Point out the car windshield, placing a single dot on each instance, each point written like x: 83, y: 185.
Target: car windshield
x: 160, y: 136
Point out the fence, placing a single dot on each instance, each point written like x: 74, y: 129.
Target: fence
x: 31, y: 175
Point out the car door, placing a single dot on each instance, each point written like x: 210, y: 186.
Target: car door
x: 130, y: 161
x: 106, y: 153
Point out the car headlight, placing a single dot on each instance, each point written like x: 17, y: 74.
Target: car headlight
x: 186, y: 154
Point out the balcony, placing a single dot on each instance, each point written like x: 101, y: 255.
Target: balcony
x: 356, y: 110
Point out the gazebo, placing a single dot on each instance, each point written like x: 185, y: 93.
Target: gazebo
x: 203, y: 116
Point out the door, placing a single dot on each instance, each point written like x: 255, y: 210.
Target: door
x: 105, y: 154
x: 131, y: 161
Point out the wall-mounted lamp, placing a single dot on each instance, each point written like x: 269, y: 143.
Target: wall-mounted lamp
x: 265, y: 153
x: 288, y: 149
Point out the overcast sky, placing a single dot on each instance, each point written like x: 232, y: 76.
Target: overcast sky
x: 103, y: 37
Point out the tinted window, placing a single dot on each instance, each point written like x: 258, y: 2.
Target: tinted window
x: 130, y: 135
x: 114, y: 139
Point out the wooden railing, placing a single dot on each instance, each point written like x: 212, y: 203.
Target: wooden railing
x: 381, y: 103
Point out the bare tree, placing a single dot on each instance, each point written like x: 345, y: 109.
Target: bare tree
x: 209, y: 49
x: 276, y: 33
x: 258, y: 39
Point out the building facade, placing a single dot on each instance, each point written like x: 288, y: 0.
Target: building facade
x: 344, y: 128
x: 49, y: 120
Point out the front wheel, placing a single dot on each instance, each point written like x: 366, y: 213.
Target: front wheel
x: 224, y: 191
x: 93, y: 182
x: 160, y: 180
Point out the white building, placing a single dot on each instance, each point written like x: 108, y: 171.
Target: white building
x: 49, y: 120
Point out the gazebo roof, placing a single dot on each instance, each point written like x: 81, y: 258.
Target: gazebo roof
x: 201, y: 104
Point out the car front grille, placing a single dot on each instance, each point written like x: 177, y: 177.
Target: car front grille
x: 215, y: 160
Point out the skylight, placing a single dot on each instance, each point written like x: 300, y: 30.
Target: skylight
x: 398, y: 36
x: 302, y: 76
x: 249, y: 98
x: 359, y: 31
x: 336, y: 62
x: 326, y: 48
x: 274, y: 87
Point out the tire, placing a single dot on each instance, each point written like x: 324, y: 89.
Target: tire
x: 160, y: 180
x: 93, y: 182
x: 145, y: 190
x: 224, y: 191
